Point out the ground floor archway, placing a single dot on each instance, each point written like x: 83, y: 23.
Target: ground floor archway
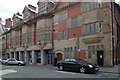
x: 59, y: 56
x: 7, y: 55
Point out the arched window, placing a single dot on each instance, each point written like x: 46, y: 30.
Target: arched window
x: 65, y: 52
x: 71, y: 52
x: 68, y: 52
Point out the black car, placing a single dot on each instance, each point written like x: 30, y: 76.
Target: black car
x: 77, y: 65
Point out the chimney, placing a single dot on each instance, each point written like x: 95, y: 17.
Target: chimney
x: 18, y: 14
x: 8, y: 23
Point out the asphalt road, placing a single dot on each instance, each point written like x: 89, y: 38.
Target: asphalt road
x: 46, y: 72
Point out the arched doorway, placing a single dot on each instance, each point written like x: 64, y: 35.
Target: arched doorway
x: 7, y: 55
x: 59, y: 56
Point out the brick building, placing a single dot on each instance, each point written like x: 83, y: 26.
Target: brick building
x: 30, y: 39
x: 85, y: 30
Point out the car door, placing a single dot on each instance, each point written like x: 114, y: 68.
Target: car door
x: 9, y: 61
x: 73, y: 64
x: 15, y: 61
x: 12, y: 61
x: 66, y: 64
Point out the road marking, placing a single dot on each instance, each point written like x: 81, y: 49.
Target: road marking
x: 100, y: 75
x: 106, y: 73
x: 65, y: 72
x: 3, y: 72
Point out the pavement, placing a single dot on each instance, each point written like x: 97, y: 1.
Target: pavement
x: 115, y: 69
x: 50, y: 71
x: 49, y: 66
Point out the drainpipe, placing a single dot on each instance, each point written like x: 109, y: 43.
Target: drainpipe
x: 112, y: 34
x: 117, y: 46
x: 53, y: 54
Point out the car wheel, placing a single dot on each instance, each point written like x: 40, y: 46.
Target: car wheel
x: 6, y: 63
x: 61, y: 68
x: 19, y: 64
x: 82, y: 69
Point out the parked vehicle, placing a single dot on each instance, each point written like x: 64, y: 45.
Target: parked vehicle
x: 2, y: 60
x: 77, y: 65
x: 13, y: 61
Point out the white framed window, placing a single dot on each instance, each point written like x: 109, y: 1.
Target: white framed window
x: 63, y: 34
x: 87, y: 6
x: 89, y: 29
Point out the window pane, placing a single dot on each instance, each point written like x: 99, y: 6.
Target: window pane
x: 89, y: 54
x: 95, y: 29
x: 86, y: 27
x: 74, y: 22
x: 63, y: 35
x: 102, y: 46
x: 97, y: 46
x: 89, y: 47
x: 93, y: 47
x: 90, y: 28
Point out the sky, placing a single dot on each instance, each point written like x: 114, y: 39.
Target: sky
x: 9, y: 7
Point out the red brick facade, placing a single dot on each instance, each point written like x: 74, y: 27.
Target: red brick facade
x: 75, y: 32
x: 74, y: 11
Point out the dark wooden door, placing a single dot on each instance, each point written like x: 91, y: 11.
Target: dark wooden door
x: 100, y: 58
x: 59, y: 56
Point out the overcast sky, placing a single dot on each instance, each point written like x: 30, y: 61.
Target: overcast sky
x: 9, y: 7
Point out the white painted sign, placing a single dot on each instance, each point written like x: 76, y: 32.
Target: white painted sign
x: 3, y: 72
x: 100, y: 56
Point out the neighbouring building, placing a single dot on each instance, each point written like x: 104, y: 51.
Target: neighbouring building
x: 117, y: 23
x: 84, y: 30
x: 31, y: 36
x: 2, y: 30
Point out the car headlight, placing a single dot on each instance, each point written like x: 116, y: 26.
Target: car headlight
x: 90, y: 66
